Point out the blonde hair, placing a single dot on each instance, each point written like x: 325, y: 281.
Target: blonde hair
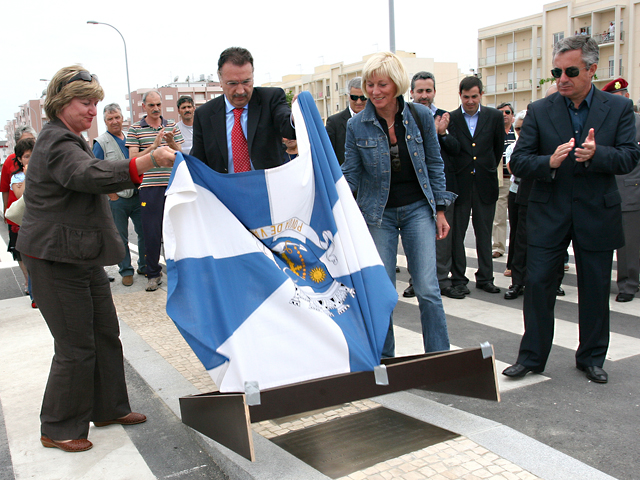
x: 386, y: 64
x: 60, y: 93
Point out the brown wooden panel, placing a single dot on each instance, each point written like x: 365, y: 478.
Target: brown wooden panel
x: 221, y: 417
x: 459, y: 372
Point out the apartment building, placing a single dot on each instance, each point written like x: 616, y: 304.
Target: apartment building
x: 201, y: 91
x: 328, y: 83
x: 514, y: 58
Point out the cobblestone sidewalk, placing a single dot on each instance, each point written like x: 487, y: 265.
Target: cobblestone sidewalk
x: 459, y: 458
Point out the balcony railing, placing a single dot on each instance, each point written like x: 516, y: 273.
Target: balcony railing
x: 607, y: 73
x: 508, y: 87
x: 603, y: 38
x: 509, y: 57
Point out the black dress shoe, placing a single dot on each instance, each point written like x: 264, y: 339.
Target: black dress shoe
x: 624, y: 297
x: 462, y: 288
x: 595, y: 374
x: 409, y: 292
x: 488, y: 287
x: 513, y: 292
x: 397, y: 269
x: 517, y: 371
x: 560, y: 292
x: 452, y: 292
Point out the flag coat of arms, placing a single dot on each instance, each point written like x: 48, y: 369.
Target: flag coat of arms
x: 272, y: 274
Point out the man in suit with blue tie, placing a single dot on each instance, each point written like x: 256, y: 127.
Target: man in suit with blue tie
x: 480, y: 133
x: 241, y: 130
x: 573, y: 143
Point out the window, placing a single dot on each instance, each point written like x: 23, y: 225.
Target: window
x: 199, y: 97
x: 491, y: 55
x: 511, y: 51
x: 512, y: 80
x: 490, y: 87
x: 169, y: 109
x: 168, y: 97
x: 557, y: 37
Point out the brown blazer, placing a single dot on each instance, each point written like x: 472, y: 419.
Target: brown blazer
x: 67, y: 216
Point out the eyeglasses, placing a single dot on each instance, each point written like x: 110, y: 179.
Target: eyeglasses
x: 517, y: 129
x: 570, y: 72
x: 355, y: 98
x: 507, y: 112
x: 83, y: 75
x: 394, y: 153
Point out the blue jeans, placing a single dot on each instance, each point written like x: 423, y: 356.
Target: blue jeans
x: 418, y: 228
x: 123, y: 209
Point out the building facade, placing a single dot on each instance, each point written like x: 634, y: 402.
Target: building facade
x: 32, y: 113
x: 515, y: 58
x: 328, y: 83
x: 201, y: 92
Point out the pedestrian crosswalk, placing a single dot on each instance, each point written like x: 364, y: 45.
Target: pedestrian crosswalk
x: 489, y: 311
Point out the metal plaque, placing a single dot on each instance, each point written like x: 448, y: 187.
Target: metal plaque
x: 356, y: 442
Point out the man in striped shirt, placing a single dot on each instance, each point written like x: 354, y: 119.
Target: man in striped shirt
x: 144, y: 137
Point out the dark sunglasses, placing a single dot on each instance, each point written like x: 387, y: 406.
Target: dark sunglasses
x: 517, y: 129
x: 85, y: 76
x: 394, y: 152
x: 508, y: 112
x: 355, y: 98
x: 571, y: 72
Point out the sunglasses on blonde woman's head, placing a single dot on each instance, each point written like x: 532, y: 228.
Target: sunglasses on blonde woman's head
x: 83, y: 75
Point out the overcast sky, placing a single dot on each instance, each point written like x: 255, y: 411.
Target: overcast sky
x: 166, y: 39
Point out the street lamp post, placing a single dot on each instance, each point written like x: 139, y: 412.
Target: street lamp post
x: 392, y: 28
x: 126, y: 61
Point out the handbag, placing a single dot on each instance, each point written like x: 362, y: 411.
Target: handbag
x: 15, y: 212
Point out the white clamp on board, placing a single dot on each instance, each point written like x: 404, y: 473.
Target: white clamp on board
x: 380, y: 373
x: 487, y: 349
x: 252, y: 391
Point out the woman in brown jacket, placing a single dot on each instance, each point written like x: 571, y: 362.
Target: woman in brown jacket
x: 66, y: 238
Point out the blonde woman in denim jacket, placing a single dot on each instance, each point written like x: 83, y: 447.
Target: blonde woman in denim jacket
x: 398, y: 175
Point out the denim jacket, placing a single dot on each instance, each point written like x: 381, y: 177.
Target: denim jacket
x: 367, y: 166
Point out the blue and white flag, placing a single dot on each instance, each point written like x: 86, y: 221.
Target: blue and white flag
x: 272, y: 274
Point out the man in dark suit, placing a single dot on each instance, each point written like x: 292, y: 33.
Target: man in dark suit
x: 242, y: 129
x: 573, y: 143
x: 423, y: 90
x: 629, y: 187
x: 480, y: 132
x: 337, y: 124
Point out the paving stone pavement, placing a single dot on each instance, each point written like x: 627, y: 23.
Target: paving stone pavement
x: 459, y: 458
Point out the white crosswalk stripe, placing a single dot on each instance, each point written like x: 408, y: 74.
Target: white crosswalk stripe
x: 481, y: 310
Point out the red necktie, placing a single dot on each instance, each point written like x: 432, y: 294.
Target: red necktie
x: 241, y: 162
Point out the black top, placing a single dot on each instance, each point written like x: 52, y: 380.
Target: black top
x: 405, y: 188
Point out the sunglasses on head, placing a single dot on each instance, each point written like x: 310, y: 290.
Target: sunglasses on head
x: 83, y: 75
x: 394, y: 152
x: 570, y: 72
x: 355, y: 98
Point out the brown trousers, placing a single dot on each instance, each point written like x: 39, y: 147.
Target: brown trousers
x: 86, y: 382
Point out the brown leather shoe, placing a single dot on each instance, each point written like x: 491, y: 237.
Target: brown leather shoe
x: 127, y: 280
x: 132, y: 419
x: 80, y: 445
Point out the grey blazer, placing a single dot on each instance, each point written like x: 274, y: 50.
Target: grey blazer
x: 67, y: 217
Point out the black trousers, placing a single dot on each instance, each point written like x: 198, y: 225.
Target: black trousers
x: 593, y: 270
x: 86, y: 382
x: 482, y: 220
x: 152, y: 202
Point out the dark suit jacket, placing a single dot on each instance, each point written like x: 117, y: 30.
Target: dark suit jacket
x: 337, y: 130
x: 581, y: 197
x: 629, y: 184
x: 449, y: 146
x: 269, y: 120
x: 67, y: 217
x: 479, y: 155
